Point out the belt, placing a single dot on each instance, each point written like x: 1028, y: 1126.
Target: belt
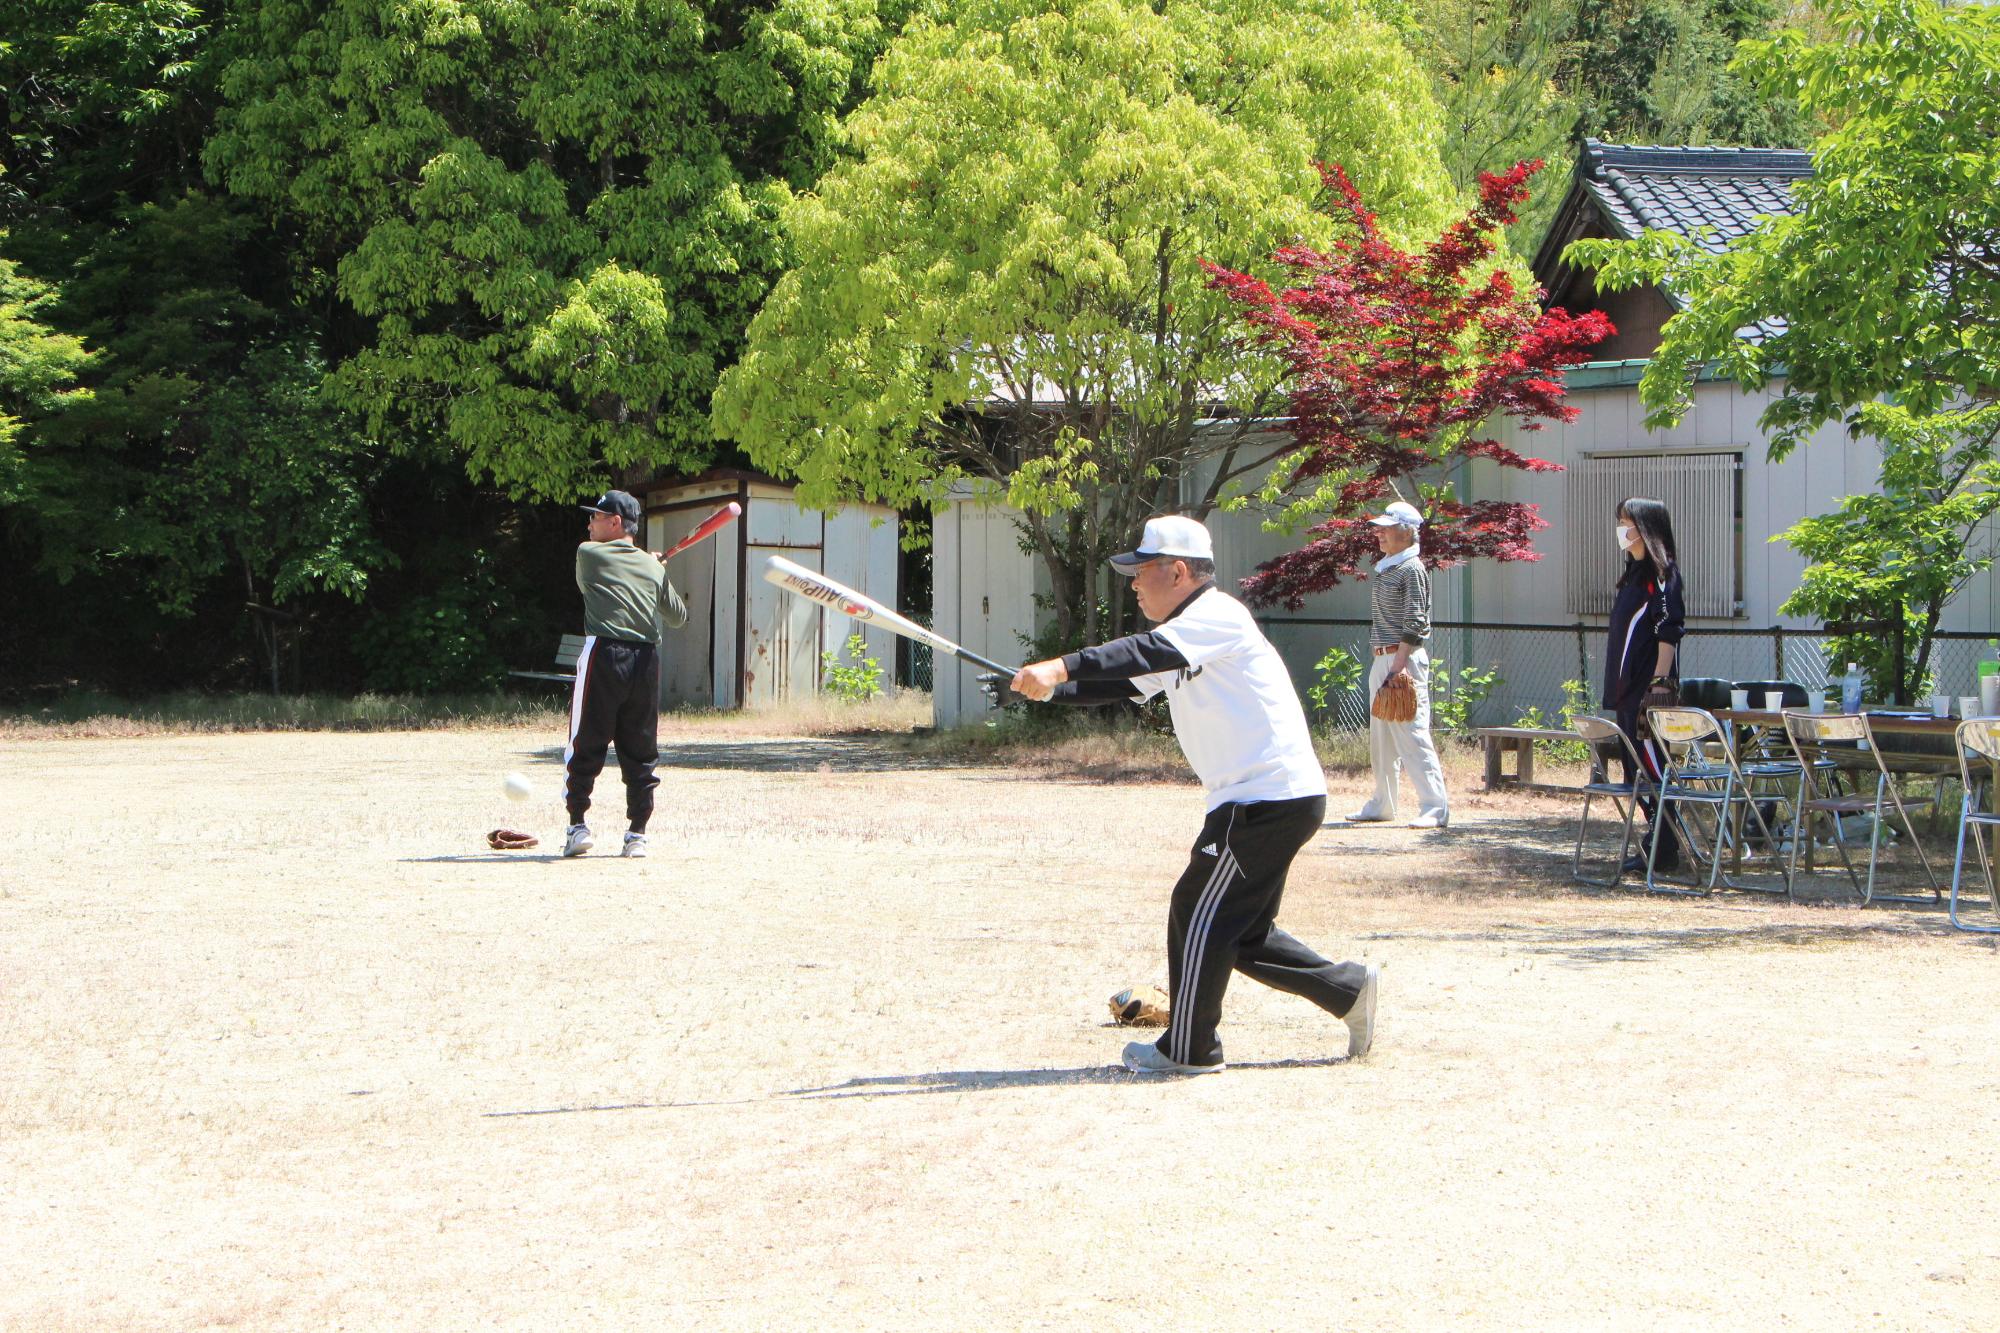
x: 1385, y: 651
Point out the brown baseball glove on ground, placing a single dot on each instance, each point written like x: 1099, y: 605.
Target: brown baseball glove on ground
x: 1141, y: 1006
x: 1396, y: 701
x: 511, y: 840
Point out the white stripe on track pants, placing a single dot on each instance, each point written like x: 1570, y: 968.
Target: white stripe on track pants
x: 1223, y: 919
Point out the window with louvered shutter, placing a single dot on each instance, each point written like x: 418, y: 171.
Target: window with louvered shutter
x: 1704, y: 495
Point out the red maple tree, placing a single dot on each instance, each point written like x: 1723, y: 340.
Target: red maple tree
x: 1397, y: 361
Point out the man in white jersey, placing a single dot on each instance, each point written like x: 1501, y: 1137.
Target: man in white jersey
x: 1241, y: 727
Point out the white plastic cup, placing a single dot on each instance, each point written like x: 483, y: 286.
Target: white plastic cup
x: 1940, y: 705
x: 1739, y: 700
x: 1774, y: 701
x: 1989, y: 696
x: 1968, y: 705
x: 1816, y: 701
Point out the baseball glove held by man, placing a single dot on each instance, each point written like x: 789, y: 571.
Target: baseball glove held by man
x: 511, y: 840
x: 1141, y: 1006
x: 1396, y: 700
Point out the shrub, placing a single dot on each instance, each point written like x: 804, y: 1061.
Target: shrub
x: 856, y: 681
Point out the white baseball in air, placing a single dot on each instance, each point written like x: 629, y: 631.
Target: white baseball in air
x: 517, y: 787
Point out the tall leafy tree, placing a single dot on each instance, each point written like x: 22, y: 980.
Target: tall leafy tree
x: 1525, y: 79
x: 1658, y: 71
x: 39, y: 369
x: 1498, y: 67
x: 1003, y: 285
x: 545, y: 225
x: 1397, y: 363
x: 200, y: 471
x: 1885, y: 564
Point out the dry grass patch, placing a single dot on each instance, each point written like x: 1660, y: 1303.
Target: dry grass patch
x: 88, y: 715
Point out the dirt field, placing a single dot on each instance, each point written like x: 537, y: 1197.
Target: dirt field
x: 282, y: 1046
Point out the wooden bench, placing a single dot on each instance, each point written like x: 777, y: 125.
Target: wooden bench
x: 1521, y: 741
x: 567, y: 651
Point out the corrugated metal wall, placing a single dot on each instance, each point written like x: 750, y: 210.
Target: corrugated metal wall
x: 1702, y: 497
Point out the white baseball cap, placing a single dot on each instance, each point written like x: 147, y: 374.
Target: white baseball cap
x: 1398, y: 514
x: 1170, y: 535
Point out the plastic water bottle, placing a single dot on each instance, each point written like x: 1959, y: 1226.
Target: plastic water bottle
x: 1850, y: 689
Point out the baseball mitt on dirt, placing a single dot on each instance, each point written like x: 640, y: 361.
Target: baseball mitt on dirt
x: 1141, y: 1006
x: 511, y: 840
x: 1396, y: 700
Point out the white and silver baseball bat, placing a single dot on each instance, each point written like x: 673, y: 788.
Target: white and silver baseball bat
x: 819, y: 588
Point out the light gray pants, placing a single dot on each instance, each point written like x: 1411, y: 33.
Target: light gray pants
x: 1405, y: 746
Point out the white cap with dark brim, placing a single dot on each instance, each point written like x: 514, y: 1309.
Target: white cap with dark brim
x: 1171, y: 535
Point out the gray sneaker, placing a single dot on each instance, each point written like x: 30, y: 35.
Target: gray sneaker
x: 1143, y: 1057
x: 579, y: 840
x: 1360, y: 1019
x: 635, y: 845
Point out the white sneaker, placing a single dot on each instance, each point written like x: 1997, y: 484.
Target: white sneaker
x: 1360, y: 1019
x: 1431, y: 819
x: 635, y: 845
x: 1143, y: 1057
x: 579, y: 840
x: 1366, y: 815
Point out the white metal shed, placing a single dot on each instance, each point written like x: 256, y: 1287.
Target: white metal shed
x: 982, y: 597
x: 746, y: 644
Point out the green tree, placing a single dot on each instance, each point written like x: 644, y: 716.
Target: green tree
x: 1659, y: 71
x: 546, y: 225
x: 200, y: 462
x: 1032, y: 186
x: 1885, y: 564
x: 1525, y: 79
x: 1498, y: 69
x: 39, y: 367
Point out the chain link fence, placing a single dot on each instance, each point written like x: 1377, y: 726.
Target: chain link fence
x: 1532, y: 662
x: 913, y: 659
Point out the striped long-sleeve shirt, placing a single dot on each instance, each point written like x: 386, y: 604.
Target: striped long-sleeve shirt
x: 1401, y: 606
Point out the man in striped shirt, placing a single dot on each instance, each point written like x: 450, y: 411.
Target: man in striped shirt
x: 1400, y: 626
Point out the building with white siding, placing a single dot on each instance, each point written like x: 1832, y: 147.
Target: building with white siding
x: 746, y: 643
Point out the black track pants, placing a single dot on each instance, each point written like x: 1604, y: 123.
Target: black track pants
x: 616, y: 701
x: 1631, y: 721
x: 1222, y: 919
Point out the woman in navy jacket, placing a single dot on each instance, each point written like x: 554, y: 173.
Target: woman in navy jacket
x: 1642, y: 647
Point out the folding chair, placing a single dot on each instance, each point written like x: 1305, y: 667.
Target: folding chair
x: 1826, y: 743
x: 1977, y: 741
x: 1607, y: 743
x: 1699, y: 756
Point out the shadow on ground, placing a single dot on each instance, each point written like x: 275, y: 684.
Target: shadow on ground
x: 1530, y: 857
x: 1586, y: 946
x: 488, y: 858
x: 995, y: 1080
x: 910, y: 1085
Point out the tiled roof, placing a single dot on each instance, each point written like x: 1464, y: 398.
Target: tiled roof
x: 1727, y: 190
x: 1683, y: 189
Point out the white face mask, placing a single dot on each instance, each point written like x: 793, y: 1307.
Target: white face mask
x: 1625, y: 536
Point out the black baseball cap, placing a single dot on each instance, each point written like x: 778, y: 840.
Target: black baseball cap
x: 617, y: 503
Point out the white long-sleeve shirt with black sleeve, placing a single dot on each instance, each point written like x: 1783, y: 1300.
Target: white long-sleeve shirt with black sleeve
x: 1235, y: 711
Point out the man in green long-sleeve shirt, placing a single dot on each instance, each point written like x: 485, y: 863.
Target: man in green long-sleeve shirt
x: 616, y: 699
